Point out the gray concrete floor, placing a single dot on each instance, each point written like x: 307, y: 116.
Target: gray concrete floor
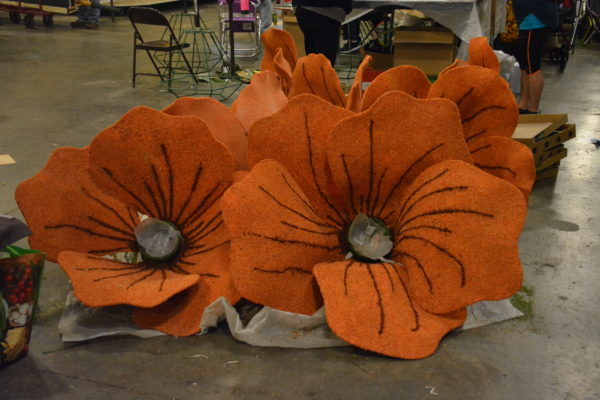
x: 60, y: 87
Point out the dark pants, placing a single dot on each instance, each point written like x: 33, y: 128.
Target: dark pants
x: 321, y: 34
x: 530, y: 49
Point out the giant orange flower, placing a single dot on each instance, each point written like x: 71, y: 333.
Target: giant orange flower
x: 319, y: 172
x: 86, y: 203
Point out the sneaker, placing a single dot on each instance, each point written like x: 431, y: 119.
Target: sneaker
x: 90, y: 25
x: 78, y: 24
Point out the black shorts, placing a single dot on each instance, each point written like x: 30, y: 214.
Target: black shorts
x: 530, y: 48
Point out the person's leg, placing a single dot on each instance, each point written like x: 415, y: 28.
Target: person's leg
x: 306, y: 23
x: 535, y: 76
x: 524, y: 98
x: 328, y: 40
x: 521, y: 54
x: 93, y: 16
x: 536, y: 87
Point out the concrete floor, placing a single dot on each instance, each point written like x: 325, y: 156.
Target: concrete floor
x: 59, y: 87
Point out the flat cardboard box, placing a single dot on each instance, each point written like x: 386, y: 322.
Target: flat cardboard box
x: 533, y: 128
x: 548, y: 173
x: 559, y: 136
x: 290, y: 25
x: 545, y: 155
x: 431, y: 49
x: 551, y: 160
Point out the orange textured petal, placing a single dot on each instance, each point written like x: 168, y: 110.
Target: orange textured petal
x: 369, y: 306
x: 404, y: 77
x: 260, y: 99
x: 373, y: 156
x: 99, y: 282
x: 506, y: 159
x: 221, y: 122
x: 65, y: 210
x: 296, y: 136
x: 313, y: 74
x: 487, y: 106
x: 457, y: 234
x: 284, y: 70
x: 273, y: 39
x: 277, y: 238
x: 457, y: 63
x: 165, y: 166
x: 354, y: 100
x: 482, y: 54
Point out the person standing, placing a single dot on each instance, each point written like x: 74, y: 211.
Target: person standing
x: 320, y: 22
x: 535, y: 19
x: 87, y: 17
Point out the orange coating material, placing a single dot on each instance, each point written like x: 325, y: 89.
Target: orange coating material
x: 273, y: 39
x: 457, y: 63
x: 261, y: 98
x: 354, y: 100
x: 506, y: 159
x: 487, y: 106
x: 221, y: 122
x: 404, y: 77
x: 284, y: 70
x: 313, y: 74
x: 482, y: 54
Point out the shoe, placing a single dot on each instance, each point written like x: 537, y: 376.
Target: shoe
x: 523, y: 111
x: 90, y: 25
x: 350, y: 47
x: 78, y: 24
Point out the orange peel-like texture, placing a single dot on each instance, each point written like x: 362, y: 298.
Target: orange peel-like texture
x: 487, y: 106
x: 221, y: 122
x: 354, y: 100
x: 404, y: 77
x: 457, y: 63
x: 273, y: 39
x: 313, y: 74
x: 482, y: 54
x: 284, y: 70
x: 296, y: 136
x: 276, y: 239
x: 82, y: 217
x: 506, y: 159
x: 370, y: 306
x: 261, y: 98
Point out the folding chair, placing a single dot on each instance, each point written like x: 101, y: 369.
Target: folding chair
x: 151, y: 16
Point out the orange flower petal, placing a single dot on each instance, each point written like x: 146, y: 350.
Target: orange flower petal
x: 221, y: 122
x: 181, y: 315
x: 167, y: 167
x: 457, y: 63
x: 374, y: 155
x: 457, y: 234
x: 284, y: 70
x: 260, y: 99
x: 296, y: 136
x: 354, y: 100
x: 273, y: 39
x: 506, y: 159
x: 65, y: 210
x: 314, y: 74
x: 99, y: 282
x: 482, y: 54
x: 277, y: 238
x: 404, y: 77
x: 369, y: 306
x: 487, y: 106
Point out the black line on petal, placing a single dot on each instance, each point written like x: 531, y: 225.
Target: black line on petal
x: 378, y: 193
x: 207, y: 275
x: 442, y: 250
x: 481, y: 110
x: 143, y: 278
x: 203, y: 225
x: 208, y: 232
x: 137, y: 271
x: 350, y: 264
x: 405, y: 174
x: 88, y: 231
x: 419, y: 265
x: 487, y: 146
x: 192, y: 191
x: 314, y: 175
x: 103, y: 204
x: 430, y: 194
x: 308, y: 230
x: 108, y: 251
x: 389, y: 276
x: 279, y: 203
x: 415, y: 313
x: 163, y: 275
x: 445, y: 211
x: 111, y: 227
x: 379, y: 301
x: 497, y: 168
x: 171, y: 183
x: 371, y: 165
x: 205, y: 250
x: 350, y: 184
x: 417, y: 190
x: 142, y: 205
x: 432, y: 227
x: 200, y: 207
x: 133, y: 267
x: 325, y: 85
x: 283, y: 271
x: 464, y: 96
x: 161, y: 192
x: 312, y: 90
x: 292, y: 241
x: 132, y: 217
x: 154, y: 199
x: 475, y: 135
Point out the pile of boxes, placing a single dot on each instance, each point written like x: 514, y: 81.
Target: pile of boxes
x: 545, y: 135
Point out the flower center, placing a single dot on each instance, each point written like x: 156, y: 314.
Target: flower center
x: 158, y: 240
x: 369, y: 238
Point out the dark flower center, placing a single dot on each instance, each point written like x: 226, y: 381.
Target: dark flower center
x: 158, y: 240
x: 369, y: 238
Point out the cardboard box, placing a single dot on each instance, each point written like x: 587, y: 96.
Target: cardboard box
x: 431, y: 49
x: 381, y: 61
x: 548, y: 173
x: 549, y: 162
x: 532, y: 128
x: 290, y: 25
x: 545, y: 155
